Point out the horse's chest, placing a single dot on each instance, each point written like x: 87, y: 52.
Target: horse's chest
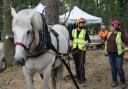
x: 40, y: 63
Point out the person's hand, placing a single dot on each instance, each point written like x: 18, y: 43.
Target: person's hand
x: 86, y: 43
x: 70, y: 43
x: 106, y: 53
x: 102, y: 41
x: 125, y: 49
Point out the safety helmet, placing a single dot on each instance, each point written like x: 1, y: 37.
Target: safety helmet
x: 80, y: 20
x: 116, y: 24
x: 103, y: 27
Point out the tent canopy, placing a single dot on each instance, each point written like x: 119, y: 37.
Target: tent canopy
x: 78, y: 13
x: 40, y: 8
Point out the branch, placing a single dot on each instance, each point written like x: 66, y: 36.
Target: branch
x: 68, y: 16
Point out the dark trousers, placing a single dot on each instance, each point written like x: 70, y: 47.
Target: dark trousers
x: 116, y: 62
x: 79, y: 59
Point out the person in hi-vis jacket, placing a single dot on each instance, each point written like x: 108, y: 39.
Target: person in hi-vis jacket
x: 79, y: 41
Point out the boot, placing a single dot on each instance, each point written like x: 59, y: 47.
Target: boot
x: 114, y: 84
x: 123, y: 83
x: 123, y: 86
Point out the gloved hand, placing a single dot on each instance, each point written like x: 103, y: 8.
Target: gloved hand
x: 106, y: 53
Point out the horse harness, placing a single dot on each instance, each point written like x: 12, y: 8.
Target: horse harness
x: 45, y: 43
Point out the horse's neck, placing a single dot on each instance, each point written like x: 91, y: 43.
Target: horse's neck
x: 36, y: 41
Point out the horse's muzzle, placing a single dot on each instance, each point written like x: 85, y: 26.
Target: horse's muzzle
x: 20, y: 62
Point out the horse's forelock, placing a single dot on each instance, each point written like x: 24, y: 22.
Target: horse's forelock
x: 21, y: 20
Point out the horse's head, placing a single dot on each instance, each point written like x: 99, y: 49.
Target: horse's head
x: 25, y: 26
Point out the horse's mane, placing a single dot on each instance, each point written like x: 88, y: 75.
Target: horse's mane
x: 28, y: 17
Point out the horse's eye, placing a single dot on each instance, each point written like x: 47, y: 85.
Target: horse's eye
x: 28, y: 32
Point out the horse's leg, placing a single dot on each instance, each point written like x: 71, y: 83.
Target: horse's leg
x: 53, y: 77
x: 59, y: 77
x: 46, y: 76
x: 29, y: 78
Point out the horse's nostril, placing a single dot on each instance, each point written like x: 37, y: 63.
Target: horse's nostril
x: 20, y: 62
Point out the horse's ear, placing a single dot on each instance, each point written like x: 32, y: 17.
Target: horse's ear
x: 13, y: 12
x: 32, y: 13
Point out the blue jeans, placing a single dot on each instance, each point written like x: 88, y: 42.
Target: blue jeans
x: 116, y: 62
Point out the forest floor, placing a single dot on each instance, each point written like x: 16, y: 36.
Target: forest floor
x: 98, y: 74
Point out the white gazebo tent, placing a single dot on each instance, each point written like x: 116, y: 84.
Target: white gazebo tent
x: 40, y: 8
x: 78, y: 13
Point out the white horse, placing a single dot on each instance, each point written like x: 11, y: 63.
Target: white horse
x: 2, y: 61
x: 26, y: 25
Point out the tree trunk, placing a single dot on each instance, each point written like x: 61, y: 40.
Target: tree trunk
x: 107, y: 12
x: 1, y: 18
x: 126, y: 16
x: 8, y: 43
x: 52, y: 11
x: 111, y: 9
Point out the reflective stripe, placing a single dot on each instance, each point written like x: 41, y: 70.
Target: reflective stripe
x: 79, y: 38
x: 119, y: 43
x: 78, y: 43
x: 106, y: 41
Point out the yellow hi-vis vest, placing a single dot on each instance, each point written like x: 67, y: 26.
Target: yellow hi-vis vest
x: 118, y: 43
x: 80, y: 41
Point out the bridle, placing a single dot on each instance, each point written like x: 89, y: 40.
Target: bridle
x: 24, y: 46
x: 41, y: 47
x: 44, y: 42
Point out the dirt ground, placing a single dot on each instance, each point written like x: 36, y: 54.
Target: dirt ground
x: 97, y: 69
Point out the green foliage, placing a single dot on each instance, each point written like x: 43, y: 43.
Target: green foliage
x: 106, y: 9
x: 62, y: 8
x: 1, y: 15
x: 22, y: 4
x: 18, y: 4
